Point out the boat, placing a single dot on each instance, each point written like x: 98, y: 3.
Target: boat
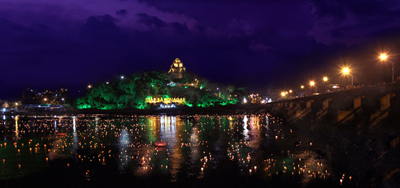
x: 61, y: 134
x: 160, y: 144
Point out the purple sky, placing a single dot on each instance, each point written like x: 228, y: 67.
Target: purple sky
x: 255, y: 44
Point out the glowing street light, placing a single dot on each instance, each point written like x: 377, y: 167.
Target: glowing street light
x: 302, y: 86
x: 346, y: 71
x: 283, y: 94
x: 325, y: 79
x: 89, y: 86
x: 384, y: 57
x: 312, y: 84
x: 45, y: 99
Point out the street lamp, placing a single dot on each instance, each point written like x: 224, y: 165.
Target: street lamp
x: 384, y: 57
x: 325, y: 79
x: 283, y: 94
x: 312, y: 84
x: 346, y: 71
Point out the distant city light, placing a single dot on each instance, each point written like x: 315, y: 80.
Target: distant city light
x: 312, y: 83
x: 89, y: 86
x: 244, y: 100
x: 302, y: 86
x: 106, y: 82
x: 325, y: 78
x: 283, y: 94
x: 122, y: 77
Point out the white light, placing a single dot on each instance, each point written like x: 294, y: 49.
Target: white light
x: 122, y: 77
x: 244, y: 100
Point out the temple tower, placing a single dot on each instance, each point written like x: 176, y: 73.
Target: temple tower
x: 177, y: 68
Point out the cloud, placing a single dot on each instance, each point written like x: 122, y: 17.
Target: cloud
x: 103, y: 23
x: 122, y: 12
x: 351, y: 21
x: 180, y: 28
x: 151, y: 21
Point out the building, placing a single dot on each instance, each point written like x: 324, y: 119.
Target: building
x: 177, y: 69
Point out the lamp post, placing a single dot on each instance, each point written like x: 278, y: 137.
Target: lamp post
x: 283, y: 94
x: 325, y: 79
x: 384, y: 57
x: 346, y: 71
x: 312, y: 84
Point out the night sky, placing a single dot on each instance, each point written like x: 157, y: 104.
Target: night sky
x: 47, y: 44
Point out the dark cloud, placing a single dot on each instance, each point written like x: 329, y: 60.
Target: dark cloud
x: 337, y: 33
x: 151, y: 21
x: 244, y: 43
x: 98, y: 24
x: 330, y: 8
x: 180, y: 28
x: 122, y: 12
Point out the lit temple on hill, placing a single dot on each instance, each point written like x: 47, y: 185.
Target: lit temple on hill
x: 177, y: 68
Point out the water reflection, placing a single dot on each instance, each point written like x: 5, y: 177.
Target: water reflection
x: 16, y: 128
x: 196, y: 146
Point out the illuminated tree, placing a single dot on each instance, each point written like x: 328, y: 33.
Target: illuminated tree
x: 132, y: 91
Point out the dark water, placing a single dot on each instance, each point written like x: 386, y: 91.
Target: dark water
x: 201, y: 151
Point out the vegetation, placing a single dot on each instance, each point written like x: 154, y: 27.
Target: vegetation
x: 131, y: 92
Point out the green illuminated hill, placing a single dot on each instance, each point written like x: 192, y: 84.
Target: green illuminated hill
x: 132, y: 92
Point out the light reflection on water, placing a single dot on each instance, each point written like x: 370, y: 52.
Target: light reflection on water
x: 195, y: 146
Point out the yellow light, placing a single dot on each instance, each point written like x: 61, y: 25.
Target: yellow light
x: 312, y: 83
x: 283, y: 94
x: 45, y: 99
x: 16, y: 104
x: 383, y: 57
x: 302, y: 86
x: 345, y: 70
x: 325, y: 79
x: 290, y: 91
x: 89, y: 86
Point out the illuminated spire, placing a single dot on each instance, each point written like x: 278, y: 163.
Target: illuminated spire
x: 177, y: 68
